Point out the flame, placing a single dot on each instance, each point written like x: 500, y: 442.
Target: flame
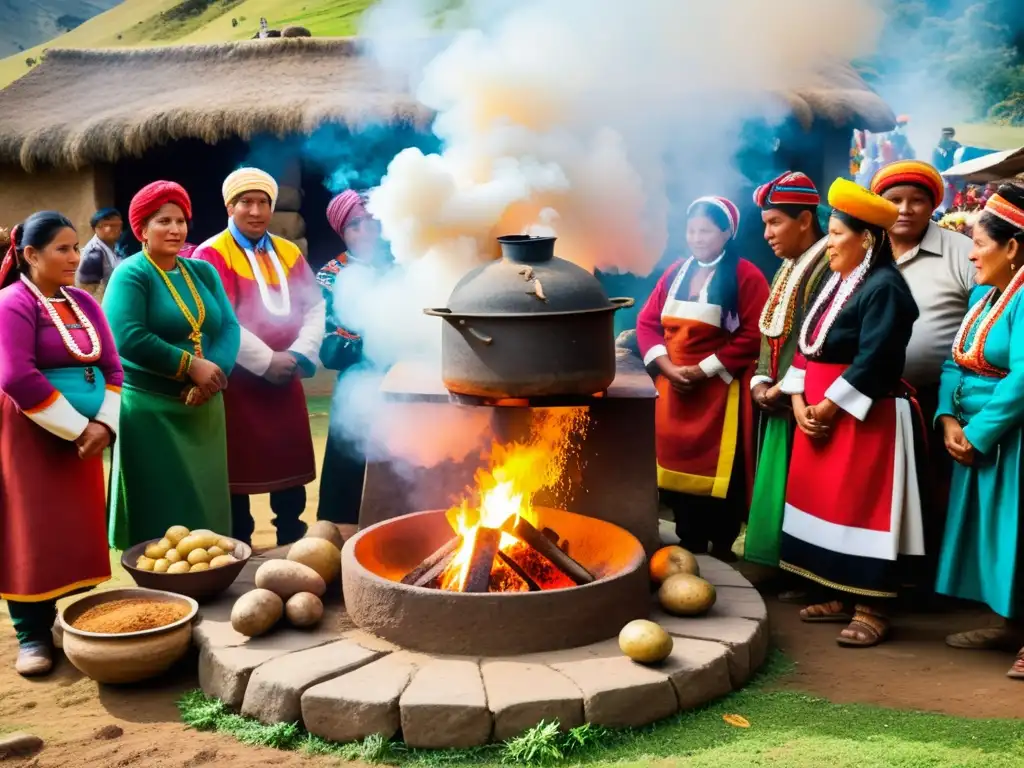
x: 505, y: 489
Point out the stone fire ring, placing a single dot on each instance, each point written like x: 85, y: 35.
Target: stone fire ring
x: 486, y: 624
x: 344, y: 684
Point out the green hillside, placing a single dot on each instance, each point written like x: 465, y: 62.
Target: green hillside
x: 135, y: 23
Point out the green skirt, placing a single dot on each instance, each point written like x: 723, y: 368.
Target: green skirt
x: 170, y: 467
x: 768, y: 504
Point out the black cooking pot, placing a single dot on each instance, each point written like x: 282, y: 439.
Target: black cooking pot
x: 528, y: 325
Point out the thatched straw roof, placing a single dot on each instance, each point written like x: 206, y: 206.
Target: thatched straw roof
x: 80, y: 107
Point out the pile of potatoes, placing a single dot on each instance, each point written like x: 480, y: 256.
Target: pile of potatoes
x: 292, y: 587
x: 185, y: 551
x: 681, y: 590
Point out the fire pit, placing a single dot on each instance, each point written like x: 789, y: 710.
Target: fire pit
x: 508, y: 616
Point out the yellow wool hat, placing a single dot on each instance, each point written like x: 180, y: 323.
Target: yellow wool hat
x: 249, y: 180
x: 853, y: 200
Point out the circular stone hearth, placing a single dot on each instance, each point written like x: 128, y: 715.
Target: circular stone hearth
x: 344, y: 684
x: 492, y: 624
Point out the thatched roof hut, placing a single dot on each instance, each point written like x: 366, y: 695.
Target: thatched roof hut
x: 80, y: 107
x: 87, y: 127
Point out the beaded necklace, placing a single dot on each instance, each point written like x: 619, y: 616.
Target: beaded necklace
x: 972, y: 357
x: 836, y: 293
x: 65, y: 334
x: 777, y: 316
x: 195, y: 323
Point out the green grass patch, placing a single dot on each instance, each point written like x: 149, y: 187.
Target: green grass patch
x: 178, y: 21
x: 786, y: 728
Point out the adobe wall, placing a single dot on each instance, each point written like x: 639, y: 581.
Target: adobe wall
x: 76, y: 194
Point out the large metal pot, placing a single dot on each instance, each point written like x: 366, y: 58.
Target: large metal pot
x: 528, y: 325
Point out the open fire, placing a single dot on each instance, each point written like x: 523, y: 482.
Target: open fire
x: 497, y: 545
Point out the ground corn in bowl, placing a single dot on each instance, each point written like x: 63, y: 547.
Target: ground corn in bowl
x: 127, y: 635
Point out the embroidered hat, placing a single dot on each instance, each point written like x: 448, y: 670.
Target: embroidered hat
x: 913, y: 172
x: 791, y: 188
x: 249, y: 180
x: 151, y: 198
x: 726, y: 206
x: 343, y: 208
x: 853, y: 200
x: 1002, y: 208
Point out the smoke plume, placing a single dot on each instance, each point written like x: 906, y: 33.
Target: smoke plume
x: 562, y: 117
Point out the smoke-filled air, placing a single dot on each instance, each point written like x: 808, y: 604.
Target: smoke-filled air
x: 561, y: 117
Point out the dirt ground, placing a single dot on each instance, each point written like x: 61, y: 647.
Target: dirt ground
x: 914, y: 671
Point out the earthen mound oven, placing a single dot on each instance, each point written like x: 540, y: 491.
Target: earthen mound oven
x: 561, y: 581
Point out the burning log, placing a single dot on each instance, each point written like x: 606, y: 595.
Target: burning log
x: 526, y: 533
x: 481, y: 560
x: 531, y: 585
x: 552, y: 534
x: 433, y: 565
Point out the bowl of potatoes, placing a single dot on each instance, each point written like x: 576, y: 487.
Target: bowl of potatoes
x: 199, y: 564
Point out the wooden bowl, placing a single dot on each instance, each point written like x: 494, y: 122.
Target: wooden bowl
x: 200, y: 586
x: 131, y: 656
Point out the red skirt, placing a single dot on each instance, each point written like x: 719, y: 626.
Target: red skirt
x: 852, y: 500
x: 270, y: 447
x: 53, y: 537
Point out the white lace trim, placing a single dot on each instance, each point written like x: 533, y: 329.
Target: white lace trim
x: 836, y: 287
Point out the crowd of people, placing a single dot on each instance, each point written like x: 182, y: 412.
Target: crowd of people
x: 190, y: 372
x: 886, y: 451
x: 860, y: 413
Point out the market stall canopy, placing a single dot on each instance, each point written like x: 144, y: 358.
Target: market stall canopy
x: 995, y: 167
x: 81, y: 107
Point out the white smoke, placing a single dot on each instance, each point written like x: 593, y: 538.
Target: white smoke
x: 563, y: 117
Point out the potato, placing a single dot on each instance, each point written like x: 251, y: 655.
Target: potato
x: 304, y: 609
x: 187, y: 544
x: 175, y: 534
x: 319, y: 554
x: 256, y: 612
x: 215, y: 552
x: 226, y: 544
x: 221, y: 560
x: 181, y: 566
x: 645, y: 642
x: 158, y: 549
x: 206, y: 539
x: 199, y: 567
x: 668, y: 561
x: 322, y: 529
x: 173, y: 556
x: 145, y: 563
x: 198, y: 556
x: 286, y: 578
x: 686, y: 595
x: 161, y: 565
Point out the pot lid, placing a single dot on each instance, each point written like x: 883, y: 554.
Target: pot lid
x: 528, y: 279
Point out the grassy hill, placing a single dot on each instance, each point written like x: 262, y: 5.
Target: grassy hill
x: 136, y: 23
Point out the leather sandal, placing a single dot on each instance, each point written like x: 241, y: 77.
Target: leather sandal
x: 867, y: 629
x: 1017, y: 670
x: 987, y: 639
x: 833, y: 612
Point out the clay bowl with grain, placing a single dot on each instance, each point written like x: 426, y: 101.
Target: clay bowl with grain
x: 200, y: 586
x: 127, y: 657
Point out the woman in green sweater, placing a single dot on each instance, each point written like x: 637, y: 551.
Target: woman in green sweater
x: 178, y: 338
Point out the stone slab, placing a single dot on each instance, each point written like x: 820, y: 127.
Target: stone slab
x: 740, y: 603
x: 445, y: 705
x: 617, y: 692
x: 521, y: 694
x: 224, y: 672
x: 275, y: 688
x: 747, y: 639
x: 699, y: 671
x: 220, y: 634
x: 363, y: 702
x: 721, y: 574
